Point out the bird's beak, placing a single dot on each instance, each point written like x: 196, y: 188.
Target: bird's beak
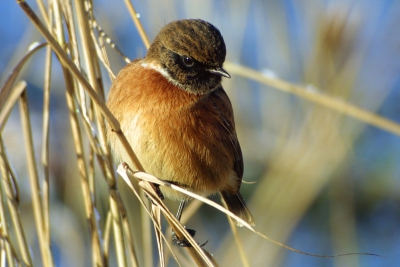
x: 219, y: 71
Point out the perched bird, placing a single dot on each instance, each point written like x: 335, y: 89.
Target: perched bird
x: 178, y: 118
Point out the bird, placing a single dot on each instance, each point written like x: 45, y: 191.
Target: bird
x: 177, y: 117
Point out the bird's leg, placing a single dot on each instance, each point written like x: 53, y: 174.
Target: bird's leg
x: 184, y: 242
x: 180, y: 210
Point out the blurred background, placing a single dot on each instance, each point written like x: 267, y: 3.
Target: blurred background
x: 325, y: 183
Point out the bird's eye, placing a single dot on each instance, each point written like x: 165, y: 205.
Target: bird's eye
x: 188, y: 61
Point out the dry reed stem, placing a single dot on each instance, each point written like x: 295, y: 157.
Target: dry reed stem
x: 150, y: 178
x: 103, y: 59
x: 196, y: 252
x: 87, y: 196
x: 239, y: 244
x: 148, y: 214
x: 128, y: 236
x: 12, y: 98
x: 138, y: 24
x: 119, y: 241
x: 317, y: 97
x: 190, y: 210
x: 97, y: 254
x: 7, y: 88
x: 107, y: 235
x: 124, y: 227
x: 199, y: 255
x: 9, y: 186
x: 156, y: 217
x: 4, y: 231
x: 101, y: 53
x: 66, y: 61
x: 44, y: 245
x: 147, y: 242
x: 98, y: 100
x: 43, y: 12
x: 93, y: 71
x: 45, y: 140
x: 117, y: 231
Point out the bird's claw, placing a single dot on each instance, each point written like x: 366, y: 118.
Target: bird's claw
x: 184, y: 242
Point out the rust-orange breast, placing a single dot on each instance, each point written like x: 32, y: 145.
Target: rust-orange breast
x: 180, y: 137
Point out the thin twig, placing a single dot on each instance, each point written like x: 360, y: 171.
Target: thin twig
x: 97, y: 254
x: 11, y: 192
x: 44, y: 246
x: 4, y: 229
x: 138, y: 24
x: 97, y: 99
x: 152, y: 179
x: 239, y: 244
x: 10, y: 185
x: 196, y: 252
x: 45, y: 142
x: 8, y: 86
x: 317, y: 97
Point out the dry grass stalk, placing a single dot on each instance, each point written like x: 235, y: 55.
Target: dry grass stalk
x: 38, y: 209
x: 313, y: 95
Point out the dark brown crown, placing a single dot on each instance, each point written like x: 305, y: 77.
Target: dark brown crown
x: 190, y: 51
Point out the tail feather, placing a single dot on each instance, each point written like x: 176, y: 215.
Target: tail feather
x: 237, y: 206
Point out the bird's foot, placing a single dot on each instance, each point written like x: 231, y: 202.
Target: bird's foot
x: 184, y: 242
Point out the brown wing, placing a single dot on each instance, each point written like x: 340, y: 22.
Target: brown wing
x: 224, y: 107
x: 233, y: 200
